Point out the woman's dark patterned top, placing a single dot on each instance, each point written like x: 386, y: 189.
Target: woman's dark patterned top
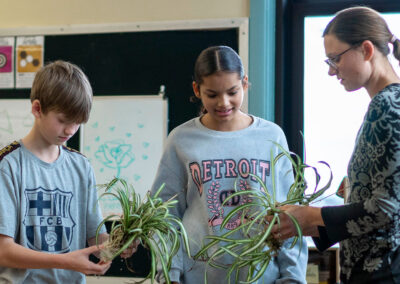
x: 369, y: 225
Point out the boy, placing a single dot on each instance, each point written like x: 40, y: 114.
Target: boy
x: 48, y: 196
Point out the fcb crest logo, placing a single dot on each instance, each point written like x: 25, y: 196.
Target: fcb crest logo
x: 48, y: 223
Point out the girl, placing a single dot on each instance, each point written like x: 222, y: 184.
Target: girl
x: 206, y: 155
x: 357, y: 44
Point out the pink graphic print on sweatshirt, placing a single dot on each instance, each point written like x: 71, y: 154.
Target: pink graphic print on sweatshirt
x: 211, y: 171
x: 214, y: 198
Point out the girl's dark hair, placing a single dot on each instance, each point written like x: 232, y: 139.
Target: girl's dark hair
x: 356, y: 24
x: 217, y: 59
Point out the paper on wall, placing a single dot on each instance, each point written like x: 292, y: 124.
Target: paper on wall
x: 29, y: 59
x: 7, y: 62
x: 16, y: 120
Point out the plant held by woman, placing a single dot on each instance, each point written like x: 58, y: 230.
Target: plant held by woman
x: 257, y: 247
x: 147, y: 221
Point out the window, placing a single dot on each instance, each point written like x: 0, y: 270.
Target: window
x: 332, y: 116
x: 312, y: 102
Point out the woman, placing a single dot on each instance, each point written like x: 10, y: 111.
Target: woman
x: 357, y: 43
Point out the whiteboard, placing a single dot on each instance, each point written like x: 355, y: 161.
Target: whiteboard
x: 124, y: 138
x: 16, y: 120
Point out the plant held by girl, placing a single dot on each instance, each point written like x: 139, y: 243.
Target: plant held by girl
x: 148, y: 221
x: 257, y: 246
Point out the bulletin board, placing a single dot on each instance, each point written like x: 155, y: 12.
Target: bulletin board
x: 124, y: 138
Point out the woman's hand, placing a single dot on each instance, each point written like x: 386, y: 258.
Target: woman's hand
x: 309, y: 218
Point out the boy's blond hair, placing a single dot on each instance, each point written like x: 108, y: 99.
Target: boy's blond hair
x: 61, y: 86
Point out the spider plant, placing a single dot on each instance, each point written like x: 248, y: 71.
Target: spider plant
x: 257, y: 247
x: 148, y: 221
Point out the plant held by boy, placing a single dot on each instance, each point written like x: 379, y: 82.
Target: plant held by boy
x: 257, y: 246
x: 148, y: 221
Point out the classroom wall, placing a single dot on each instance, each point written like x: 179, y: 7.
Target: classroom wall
x: 24, y: 13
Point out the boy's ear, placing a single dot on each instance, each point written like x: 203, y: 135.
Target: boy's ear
x: 196, y: 89
x: 36, y: 108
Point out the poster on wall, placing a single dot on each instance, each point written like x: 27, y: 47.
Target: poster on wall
x: 16, y: 120
x: 7, y: 62
x: 29, y: 59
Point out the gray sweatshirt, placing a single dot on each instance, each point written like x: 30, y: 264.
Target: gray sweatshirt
x: 201, y: 166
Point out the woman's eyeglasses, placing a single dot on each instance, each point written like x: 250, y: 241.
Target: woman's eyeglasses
x: 331, y: 61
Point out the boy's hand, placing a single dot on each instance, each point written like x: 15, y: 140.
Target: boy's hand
x: 79, y: 261
x: 130, y: 250
x: 14, y: 255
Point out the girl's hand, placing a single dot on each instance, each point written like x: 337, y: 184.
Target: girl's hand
x: 130, y: 250
x: 309, y: 218
x: 104, y: 237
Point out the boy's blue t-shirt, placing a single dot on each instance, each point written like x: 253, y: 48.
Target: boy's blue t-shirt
x: 47, y: 207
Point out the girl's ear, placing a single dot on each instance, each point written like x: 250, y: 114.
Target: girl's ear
x: 196, y: 89
x: 245, y: 82
x: 368, y: 49
x: 36, y: 109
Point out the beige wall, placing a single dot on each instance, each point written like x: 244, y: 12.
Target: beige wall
x: 28, y: 13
